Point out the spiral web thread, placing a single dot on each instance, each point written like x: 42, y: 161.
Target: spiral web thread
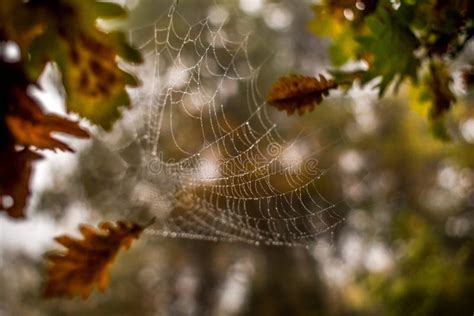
x: 216, y: 169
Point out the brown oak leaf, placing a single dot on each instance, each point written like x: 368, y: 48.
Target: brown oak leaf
x: 85, y: 262
x: 24, y: 125
x: 468, y: 77
x: 29, y: 126
x: 443, y: 97
x: 299, y: 93
x: 15, y: 172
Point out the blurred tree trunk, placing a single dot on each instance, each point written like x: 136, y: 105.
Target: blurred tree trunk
x: 287, y: 284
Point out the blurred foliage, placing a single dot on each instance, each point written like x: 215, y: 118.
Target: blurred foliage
x: 399, y: 40
x: 429, y: 277
x: 400, y: 199
x: 64, y: 32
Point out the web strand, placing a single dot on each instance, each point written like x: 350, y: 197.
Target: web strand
x: 219, y: 173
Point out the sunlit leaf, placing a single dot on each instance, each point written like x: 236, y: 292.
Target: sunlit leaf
x: 325, y: 24
x: 420, y: 99
x: 341, y: 21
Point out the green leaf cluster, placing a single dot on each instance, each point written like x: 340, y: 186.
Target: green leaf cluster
x: 390, y: 46
x: 398, y: 40
x: 419, y: 285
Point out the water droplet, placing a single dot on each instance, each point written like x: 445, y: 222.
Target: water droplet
x: 7, y: 201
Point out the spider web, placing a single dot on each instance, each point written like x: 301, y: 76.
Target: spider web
x: 214, y: 167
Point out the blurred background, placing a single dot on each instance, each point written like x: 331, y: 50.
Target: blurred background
x: 406, y: 244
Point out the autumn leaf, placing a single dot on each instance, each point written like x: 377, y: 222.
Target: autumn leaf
x: 468, y: 78
x: 433, y: 97
x: 15, y: 172
x: 87, y: 58
x: 22, y: 126
x: 85, y: 263
x: 439, y: 83
x: 29, y: 126
x: 94, y: 84
x: 66, y: 32
x: 299, y: 93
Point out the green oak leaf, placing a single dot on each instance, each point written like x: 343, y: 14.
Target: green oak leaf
x: 391, y: 45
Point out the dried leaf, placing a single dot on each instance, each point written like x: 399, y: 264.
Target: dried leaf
x: 299, y: 93
x: 29, y: 126
x: 443, y: 97
x: 23, y: 124
x: 15, y: 172
x: 85, y: 263
x: 468, y: 77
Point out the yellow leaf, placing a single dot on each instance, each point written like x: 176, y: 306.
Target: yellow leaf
x: 419, y: 99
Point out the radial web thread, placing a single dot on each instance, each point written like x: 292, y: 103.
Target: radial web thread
x: 216, y: 167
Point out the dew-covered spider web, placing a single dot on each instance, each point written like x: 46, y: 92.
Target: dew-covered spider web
x: 216, y: 161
